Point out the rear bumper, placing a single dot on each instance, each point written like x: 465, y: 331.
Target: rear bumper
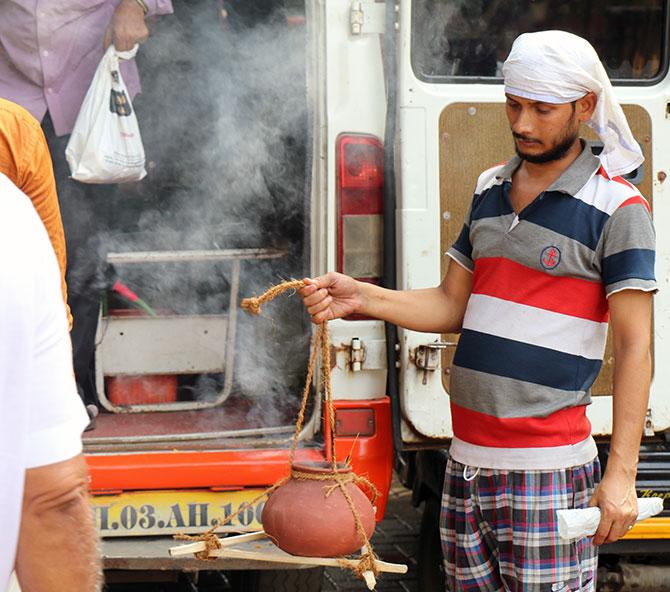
x: 151, y: 553
x: 651, y: 537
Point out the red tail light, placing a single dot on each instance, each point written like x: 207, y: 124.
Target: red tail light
x: 360, y: 186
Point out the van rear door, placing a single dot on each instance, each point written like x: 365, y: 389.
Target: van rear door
x: 452, y: 126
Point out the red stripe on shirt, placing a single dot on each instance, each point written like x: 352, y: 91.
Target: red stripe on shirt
x: 564, y: 427
x: 511, y: 281
x: 638, y: 199
x: 623, y: 181
x: 602, y: 173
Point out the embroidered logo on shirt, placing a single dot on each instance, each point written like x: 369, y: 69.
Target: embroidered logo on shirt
x: 551, y: 257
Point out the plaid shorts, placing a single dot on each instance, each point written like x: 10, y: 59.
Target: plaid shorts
x: 499, y: 530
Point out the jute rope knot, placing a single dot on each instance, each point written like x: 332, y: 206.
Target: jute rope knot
x: 211, y: 541
x: 320, y: 349
x: 253, y: 305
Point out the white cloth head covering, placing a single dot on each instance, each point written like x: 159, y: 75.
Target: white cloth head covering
x: 559, y: 67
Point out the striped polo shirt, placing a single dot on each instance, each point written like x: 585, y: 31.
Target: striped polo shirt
x: 535, y: 326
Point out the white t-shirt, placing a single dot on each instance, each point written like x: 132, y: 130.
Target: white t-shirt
x: 41, y: 415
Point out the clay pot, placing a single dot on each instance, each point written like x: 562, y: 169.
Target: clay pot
x: 303, y: 521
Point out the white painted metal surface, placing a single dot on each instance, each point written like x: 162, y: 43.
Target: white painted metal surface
x: 354, y: 102
x: 163, y: 345
x: 370, y: 381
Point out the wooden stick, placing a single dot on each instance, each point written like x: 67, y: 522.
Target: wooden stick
x: 225, y: 542
x: 369, y: 578
x: 187, y: 549
x: 382, y: 566
x: 227, y: 551
x: 242, y: 538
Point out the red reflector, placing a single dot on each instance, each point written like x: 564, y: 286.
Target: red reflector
x: 360, y: 174
x: 354, y: 422
x: 360, y: 206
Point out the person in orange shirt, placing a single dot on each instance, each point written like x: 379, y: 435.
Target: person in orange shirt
x: 25, y: 160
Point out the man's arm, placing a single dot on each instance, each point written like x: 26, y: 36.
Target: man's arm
x: 432, y: 310
x: 615, y: 496
x: 58, y: 544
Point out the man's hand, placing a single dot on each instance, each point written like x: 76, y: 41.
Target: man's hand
x: 331, y: 296
x: 127, y: 27
x: 617, y: 500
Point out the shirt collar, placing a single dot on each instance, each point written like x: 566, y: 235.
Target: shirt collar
x: 571, y: 180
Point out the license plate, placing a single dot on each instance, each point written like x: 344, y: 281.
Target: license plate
x: 141, y: 513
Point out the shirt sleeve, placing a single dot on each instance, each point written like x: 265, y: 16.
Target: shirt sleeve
x: 628, y: 249
x: 56, y: 414
x: 36, y: 180
x: 158, y: 7
x: 461, y: 250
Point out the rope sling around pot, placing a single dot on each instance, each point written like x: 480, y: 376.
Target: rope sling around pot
x: 367, y: 567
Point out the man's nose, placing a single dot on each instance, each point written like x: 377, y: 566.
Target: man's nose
x: 522, y: 123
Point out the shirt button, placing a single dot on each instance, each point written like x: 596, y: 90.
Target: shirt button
x: 45, y: 53
x: 50, y: 90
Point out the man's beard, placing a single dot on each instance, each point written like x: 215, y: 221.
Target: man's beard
x: 555, y: 153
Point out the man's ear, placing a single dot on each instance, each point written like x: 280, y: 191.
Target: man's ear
x: 585, y: 106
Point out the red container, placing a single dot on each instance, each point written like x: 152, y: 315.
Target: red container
x: 145, y: 389
x: 303, y: 520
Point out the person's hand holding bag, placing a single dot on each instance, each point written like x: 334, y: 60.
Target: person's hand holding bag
x: 127, y: 27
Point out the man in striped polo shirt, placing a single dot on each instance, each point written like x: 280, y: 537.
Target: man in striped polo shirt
x: 555, y: 245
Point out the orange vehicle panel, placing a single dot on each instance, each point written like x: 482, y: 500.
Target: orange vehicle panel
x: 371, y: 457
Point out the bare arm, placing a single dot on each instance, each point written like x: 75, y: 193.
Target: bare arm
x: 432, y: 310
x: 616, y: 497
x: 58, y: 544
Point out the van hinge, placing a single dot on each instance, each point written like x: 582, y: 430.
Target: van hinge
x: 648, y: 424
x: 427, y: 357
x: 367, y: 17
x: 357, y: 354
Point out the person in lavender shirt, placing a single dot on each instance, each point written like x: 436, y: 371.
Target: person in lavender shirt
x: 49, y: 50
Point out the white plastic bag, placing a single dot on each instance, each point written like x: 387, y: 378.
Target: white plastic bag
x: 105, y: 145
x: 575, y: 524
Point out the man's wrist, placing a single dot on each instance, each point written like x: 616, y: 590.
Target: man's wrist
x: 626, y: 468
x: 369, y: 295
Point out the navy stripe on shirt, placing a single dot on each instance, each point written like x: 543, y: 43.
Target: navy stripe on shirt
x: 570, y: 217
x: 490, y: 204
x: 632, y: 263
x: 463, y: 244
x: 522, y: 361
